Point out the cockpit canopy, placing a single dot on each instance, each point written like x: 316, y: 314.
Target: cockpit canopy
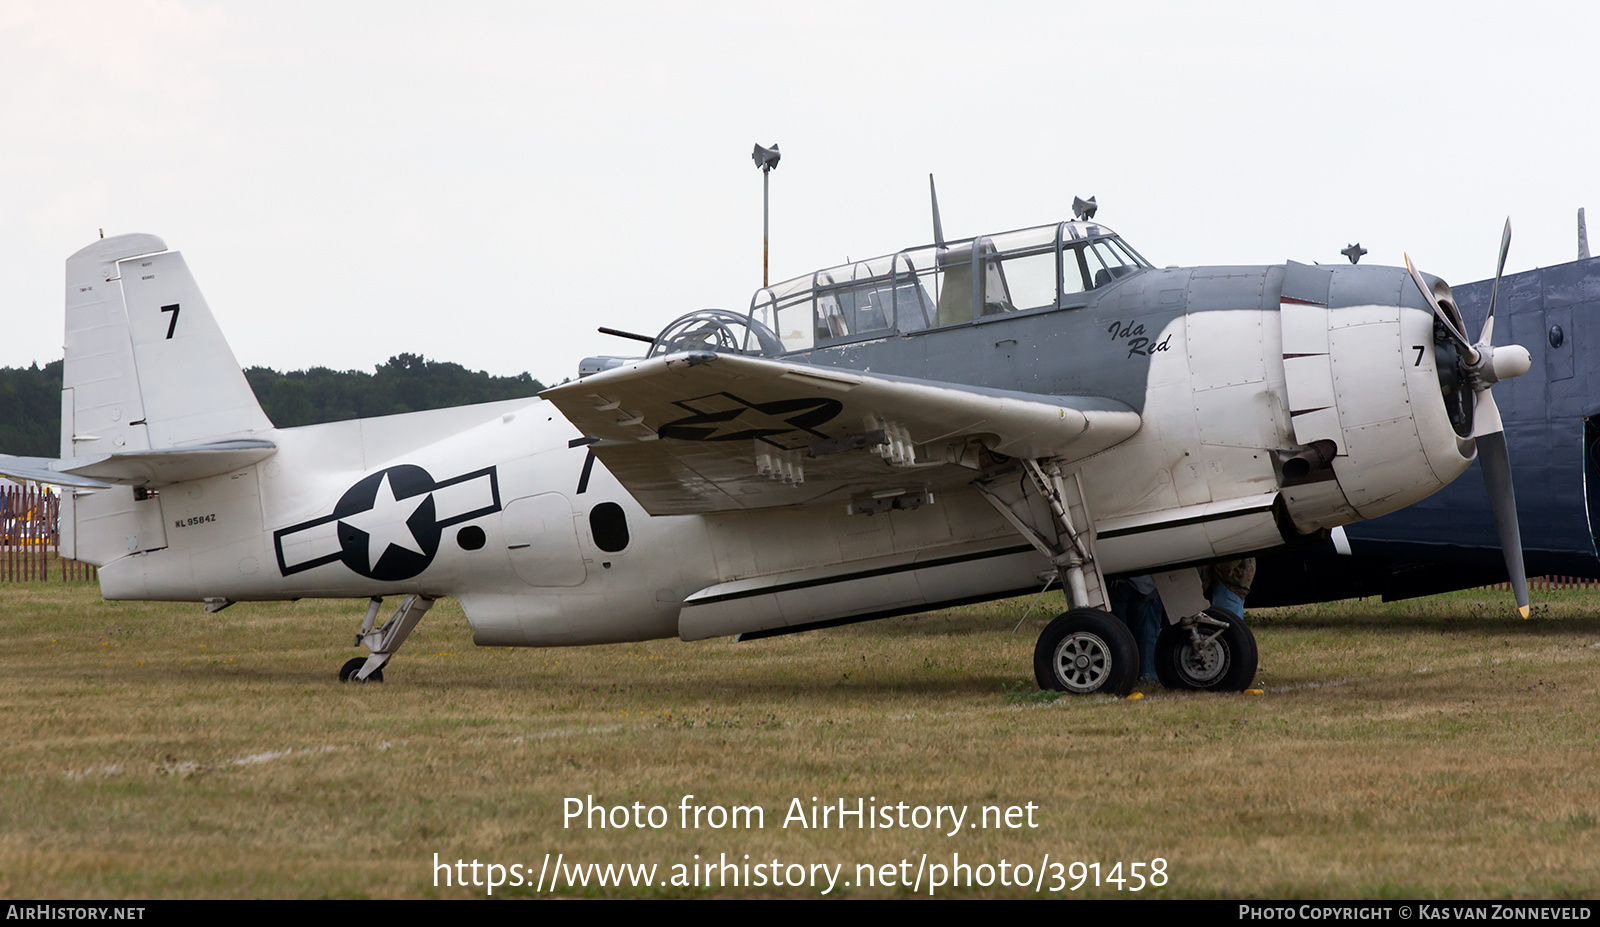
x: 715, y: 330
x: 936, y: 286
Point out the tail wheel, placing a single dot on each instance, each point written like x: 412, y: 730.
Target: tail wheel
x: 1086, y: 651
x: 347, y: 673
x: 1214, y: 654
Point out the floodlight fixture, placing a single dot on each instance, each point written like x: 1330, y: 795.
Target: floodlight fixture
x: 765, y: 158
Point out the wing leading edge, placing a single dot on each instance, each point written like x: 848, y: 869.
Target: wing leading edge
x: 703, y: 432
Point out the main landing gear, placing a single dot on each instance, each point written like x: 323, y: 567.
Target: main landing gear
x: 1087, y: 650
x: 382, y: 642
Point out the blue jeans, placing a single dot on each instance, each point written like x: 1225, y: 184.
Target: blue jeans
x: 1226, y: 599
x: 1144, y: 616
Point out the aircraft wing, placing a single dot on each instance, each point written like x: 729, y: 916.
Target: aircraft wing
x: 705, y: 432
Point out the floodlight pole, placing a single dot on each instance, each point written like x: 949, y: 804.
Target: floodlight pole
x: 766, y: 159
x: 766, y: 213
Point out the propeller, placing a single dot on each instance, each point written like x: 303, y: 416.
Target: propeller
x: 1476, y: 367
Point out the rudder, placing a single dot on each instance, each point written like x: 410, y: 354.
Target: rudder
x: 146, y: 368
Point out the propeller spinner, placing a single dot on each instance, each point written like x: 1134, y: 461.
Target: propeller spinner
x: 1472, y: 368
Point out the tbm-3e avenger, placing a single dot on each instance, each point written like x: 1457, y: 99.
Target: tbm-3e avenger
x: 958, y: 422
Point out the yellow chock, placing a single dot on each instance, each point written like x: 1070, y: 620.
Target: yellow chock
x: 1255, y: 692
x: 1135, y: 695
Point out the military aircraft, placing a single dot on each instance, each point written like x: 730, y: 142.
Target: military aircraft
x: 957, y: 422
x: 1552, y: 427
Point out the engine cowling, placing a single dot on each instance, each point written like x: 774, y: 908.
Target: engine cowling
x: 1366, y: 369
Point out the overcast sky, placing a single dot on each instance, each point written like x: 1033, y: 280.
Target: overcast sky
x: 486, y: 182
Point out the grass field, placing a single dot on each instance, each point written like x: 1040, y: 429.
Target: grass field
x: 1435, y: 748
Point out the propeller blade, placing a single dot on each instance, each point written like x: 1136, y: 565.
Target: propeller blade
x: 1496, y: 464
x: 1486, y: 415
x: 1487, y: 335
x: 1438, y: 310
x: 1488, y: 429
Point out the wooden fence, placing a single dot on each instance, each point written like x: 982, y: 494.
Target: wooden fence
x: 29, y: 541
x: 1557, y: 582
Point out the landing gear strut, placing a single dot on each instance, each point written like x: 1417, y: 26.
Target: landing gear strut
x: 383, y: 641
x: 1085, y: 650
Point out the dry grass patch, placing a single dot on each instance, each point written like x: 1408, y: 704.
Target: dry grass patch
x: 1430, y: 749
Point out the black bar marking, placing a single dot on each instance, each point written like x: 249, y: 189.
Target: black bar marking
x: 886, y: 613
x: 1184, y: 522
x: 172, y: 325
x: 580, y: 442
x: 494, y: 492
x: 583, y: 479
x: 868, y: 574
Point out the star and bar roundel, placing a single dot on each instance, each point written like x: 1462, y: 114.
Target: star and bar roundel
x: 726, y: 417
x: 388, y: 525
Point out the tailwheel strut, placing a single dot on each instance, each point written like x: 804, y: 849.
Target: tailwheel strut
x: 383, y: 641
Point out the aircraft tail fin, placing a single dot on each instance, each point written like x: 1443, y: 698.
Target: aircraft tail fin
x: 146, y: 366
x: 146, y: 370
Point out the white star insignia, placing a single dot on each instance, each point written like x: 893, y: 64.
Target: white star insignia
x: 385, y: 522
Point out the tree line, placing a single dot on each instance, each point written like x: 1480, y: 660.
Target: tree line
x: 30, y: 397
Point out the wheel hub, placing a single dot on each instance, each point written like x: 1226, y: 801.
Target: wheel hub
x: 1083, y: 661
x: 1205, y: 663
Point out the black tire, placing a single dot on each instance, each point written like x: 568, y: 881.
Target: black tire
x: 1086, y: 651
x: 347, y: 673
x: 1231, y: 667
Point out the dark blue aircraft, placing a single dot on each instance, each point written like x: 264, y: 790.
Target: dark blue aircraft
x: 1552, y: 426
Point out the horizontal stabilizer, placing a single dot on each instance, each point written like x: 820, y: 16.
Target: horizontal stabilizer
x: 149, y: 469
x: 39, y: 470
